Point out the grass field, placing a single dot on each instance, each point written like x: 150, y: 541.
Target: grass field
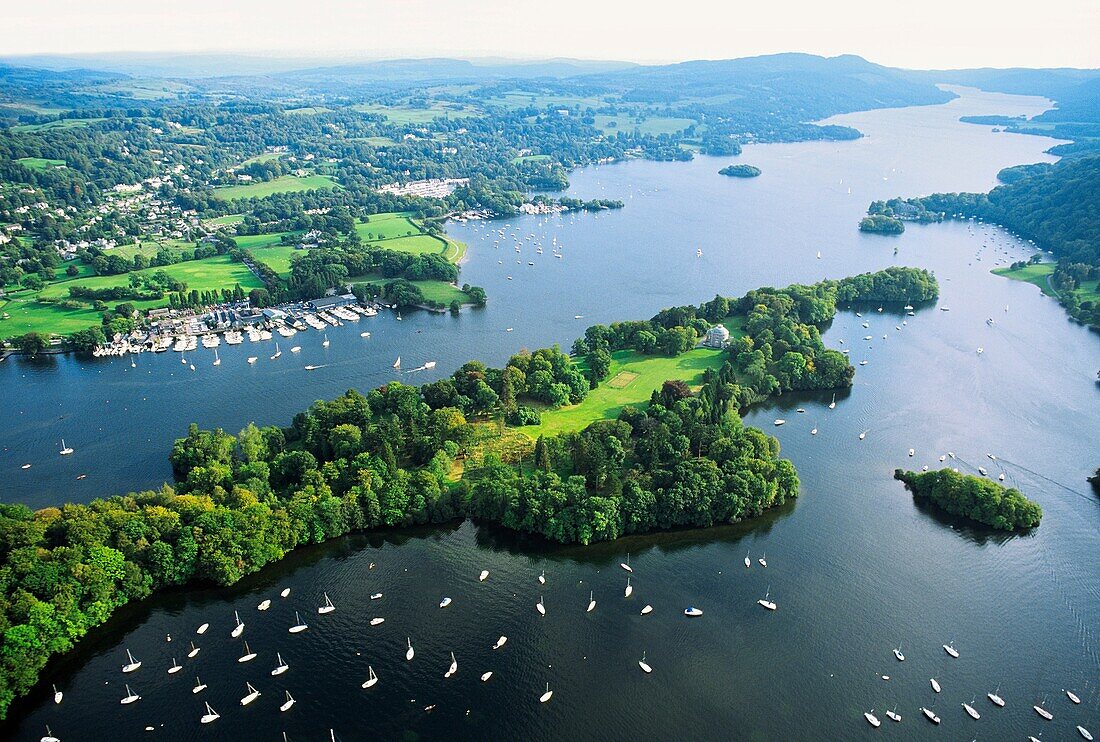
x: 522, y: 99
x: 643, y: 124
x: 375, y: 141
x: 226, y: 221
x: 408, y: 115
x: 386, y: 226
x: 284, y: 184
x: 439, y: 291
x: 1037, y: 274
x: 307, y: 111
x: 265, y: 157
x: 530, y: 158
x: 631, y: 381
x: 148, y: 89
x: 39, y: 163
x: 277, y: 257
x: 59, y: 124
x: 28, y: 106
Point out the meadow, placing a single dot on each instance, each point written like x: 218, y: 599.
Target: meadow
x: 40, y: 163
x: 284, y: 184
x: 58, y: 124
x: 402, y: 115
x: 1038, y: 274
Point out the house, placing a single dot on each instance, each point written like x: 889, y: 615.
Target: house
x: 716, y: 337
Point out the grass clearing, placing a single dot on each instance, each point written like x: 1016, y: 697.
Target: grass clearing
x: 643, y: 124
x: 307, y: 111
x: 622, y: 380
x: 386, y: 226
x: 402, y: 115
x: 58, y: 124
x: 283, y: 184
x: 1038, y: 274
x: 228, y: 220
x: 39, y: 163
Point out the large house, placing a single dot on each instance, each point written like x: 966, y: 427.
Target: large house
x: 717, y: 337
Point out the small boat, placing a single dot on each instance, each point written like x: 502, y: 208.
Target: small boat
x: 748, y: 561
x: 287, y: 703
x: 371, y: 678
x: 911, y: 452
x: 453, y: 668
x: 484, y: 575
x: 780, y: 421
x: 194, y: 651
x: 280, y: 666
x: 311, y: 367
x: 766, y: 602
x: 248, y: 655
x: 277, y: 351
x: 863, y: 363
x: 626, y: 565
x: 364, y: 334
x: 898, y: 654
x: 693, y: 611
x: 65, y: 450
x: 445, y: 602
x: 647, y: 610
x: 930, y: 715
x: 299, y: 625
x: 1043, y: 712
x: 199, y: 686
x: 210, y: 716
x: 328, y: 607
x: 644, y: 665
x: 935, y: 684
x: 970, y: 710
x: 239, y: 628
x: 1084, y: 732
x: 832, y: 404
x: 813, y: 431
x: 893, y: 714
x: 429, y: 365
x: 132, y: 664
x: 500, y: 642
x: 540, y: 607
x: 629, y: 589
x: 176, y: 667
x: 1072, y: 696
x: 130, y: 697
x: 377, y: 620
x: 542, y: 578
x: 981, y: 470
x: 763, y: 559
x: 251, y: 696
x: 863, y: 435
x: 871, y: 718
x: 48, y: 737
x: 217, y: 360
x: 202, y: 629
x: 950, y: 649
x: 486, y: 675
x: 57, y: 695
x: 995, y: 698
x: 264, y: 605
x: 591, y: 602
x: 409, y: 653
x: 397, y: 363
x: 325, y: 343
x: 296, y: 349
x: 376, y: 596
x: 285, y: 592
x: 252, y: 359
x: 547, y: 695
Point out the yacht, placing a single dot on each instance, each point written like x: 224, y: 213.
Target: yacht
x: 766, y: 602
x: 377, y: 620
x: 325, y: 343
x: 248, y: 655
x: 176, y: 667
x: 287, y: 703
x: 763, y: 559
x: 376, y: 596
x: 1043, y: 712
x: 132, y: 664
x: 397, y: 363
x: 871, y: 718
x: 210, y: 716
x: 371, y: 678
x: 194, y: 651
x: 500, y: 642
x: 281, y: 666
x: 285, y: 592
x: 912, y: 452
x: 1072, y: 696
x: 130, y: 697
x: 217, y: 359
x: 252, y: 359
x: 779, y: 421
x: 629, y: 589
x: 1084, y: 732
x: 445, y: 602
x: 893, y: 714
x: 486, y: 675
x: 48, y: 737
x: 328, y: 607
x: 251, y: 696
x: 299, y: 625
x: 832, y: 404
x: 970, y: 710
x: 935, y: 684
x: 863, y: 435
x: 748, y: 561
x: 644, y: 665
x: 57, y: 695
x: 264, y: 605
x: 239, y: 628
x: 930, y: 715
x: 202, y: 629
x: 995, y: 698
x: 542, y: 578
x: 626, y: 565
x: 65, y: 450
x: 898, y: 654
x: 950, y: 649
x: 453, y: 668
x: 483, y: 576
x: 277, y: 352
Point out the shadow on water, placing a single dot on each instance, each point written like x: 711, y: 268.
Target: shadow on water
x: 968, y: 530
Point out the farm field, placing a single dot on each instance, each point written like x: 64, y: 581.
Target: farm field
x: 284, y: 184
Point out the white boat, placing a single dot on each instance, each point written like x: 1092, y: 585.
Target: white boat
x: 132, y: 664
x: 871, y: 718
x: 1072, y: 696
x: 176, y: 667
x: 248, y: 655
x: 693, y: 611
x: 325, y: 343
x: 995, y: 698
x: 371, y: 678
x: 57, y: 695
x: 409, y: 653
x: 780, y: 421
x: 644, y: 665
x: 542, y: 578
x: 647, y: 610
x: 65, y: 450
x: 130, y: 697
x: 970, y: 710
x: 935, y: 684
x: 486, y: 675
x: 277, y: 352
x: 264, y: 605
x: 287, y: 703
x: 500, y: 642
x: 591, y: 602
x: 280, y: 666
x: 445, y: 602
x: 626, y: 565
x: 199, y: 686
x: 1043, y: 712
x: 950, y: 649
x: 766, y: 602
x: 540, y: 607
x: 629, y: 589
x: 202, y: 629
x: 210, y: 716
x: 748, y: 561
x: 898, y: 654
x: 377, y: 620
x: 296, y: 349
x: 547, y: 695
x: 397, y: 363
x: 364, y: 334
x: 484, y: 575
x: 299, y: 625
x: 376, y: 596
x: 930, y: 715
x: 863, y: 435
x: 217, y: 360
x: 429, y: 365
x: 239, y: 628
x: 252, y: 359
x: 194, y: 651
x: 912, y: 452
x: 251, y: 696
x: 1084, y: 732
x: 893, y: 714
x: 763, y: 559
x: 328, y: 607
x: 285, y: 592
x: 453, y: 668
x: 813, y: 431
x: 832, y: 404
x: 48, y: 737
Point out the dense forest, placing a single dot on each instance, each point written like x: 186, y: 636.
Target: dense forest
x: 402, y: 455
x: 740, y: 171
x: 977, y: 498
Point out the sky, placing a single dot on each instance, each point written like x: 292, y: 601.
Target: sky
x: 925, y: 34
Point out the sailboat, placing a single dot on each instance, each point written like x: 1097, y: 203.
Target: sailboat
x: 287, y: 703
x: 285, y: 592
x: 130, y: 696
x: 629, y: 588
x: 325, y: 343
x: 132, y: 664
x: 239, y: 628
x: 863, y: 435
x: 832, y: 404
x: 748, y: 561
x: 898, y: 654
x: 50, y: 738
x: 1072, y: 697
x: 935, y: 684
x: 647, y: 610
x: 210, y: 715
x: 893, y: 714
x: 176, y: 667
x: 277, y: 351
x: 251, y: 359
x: 765, y: 600
x: 486, y: 675
x: 202, y: 629
x: 644, y: 665
x: 199, y: 686
x: 930, y: 715
x: 217, y: 360
x: 950, y: 649
x: 248, y: 655
x: 547, y: 695
x: 996, y: 698
x: 251, y: 696
x: 57, y: 695
x: 299, y: 626
x: 453, y: 668
x: 763, y: 559
x: 626, y: 565
x: 542, y: 578
x: 280, y: 666
x: 483, y: 576
x: 371, y: 677
x: 1043, y: 712
x: 591, y: 602
x: 328, y: 607
x: 194, y: 651
x: 871, y: 718
x: 1085, y: 734
x: 65, y: 450
x: 409, y: 653
x: 970, y: 710
x: 397, y: 363
x: 540, y: 607
x: 500, y: 642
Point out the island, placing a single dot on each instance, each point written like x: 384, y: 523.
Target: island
x: 881, y: 224
x: 740, y: 171
x: 974, y: 498
x: 617, y: 438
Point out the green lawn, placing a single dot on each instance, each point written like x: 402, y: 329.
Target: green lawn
x: 39, y: 163
x: 307, y: 111
x: 530, y: 158
x: 1038, y: 273
x: 374, y: 141
x: 58, y: 124
x: 254, y: 241
x: 284, y: 184
x: 408, y: 115
x: 655, y: 125
x: 265, y: 157
x: 226, y: 221
x: 386, y: 226
x: 277, y: 257
x: 632, y: 379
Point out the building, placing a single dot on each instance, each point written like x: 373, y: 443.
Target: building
x: 717, y: 337
x: 329, y: 302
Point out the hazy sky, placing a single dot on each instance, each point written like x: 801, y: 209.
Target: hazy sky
x: 928, y: 33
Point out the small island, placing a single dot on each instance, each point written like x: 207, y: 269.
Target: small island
x: 740, y: 171
x: 881, y: 224
x: 976, y: 498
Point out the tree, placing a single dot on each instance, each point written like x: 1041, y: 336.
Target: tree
x: 32, y: 343
x: 542, y: 454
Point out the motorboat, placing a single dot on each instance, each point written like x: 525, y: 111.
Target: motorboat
x: 693, y: 611
x: 445, y: 602
x: 500, y: 642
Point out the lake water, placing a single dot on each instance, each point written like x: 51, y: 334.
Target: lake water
x: 855, y: 566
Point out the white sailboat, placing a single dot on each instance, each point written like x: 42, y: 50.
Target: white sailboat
x: 483, y: 576
x: 542, y: 578
x: 644, y: 665
x: 65, y: 450
x: 299, y: 625
x: 871, y: 718
x: 950, y: 649
x: 132, y: 664
x: 199, y: 686
x: 486, y: 675
x: 930, y: 715
x: 252, y: 359
x: 893, y: 714
x: 397, y: 363
x: 280, y: 665
x: 285, y: 592
x: 176, y: 667
x: 763, y: 559
x: 1085, y: 734
x: 217, y: 360
x: 251, y: 696
x: 629, y: 589
x: 591, y: 602
x: 409, y: 653
x: 765, y: 600
x: 863, y: 435
x: 971, y: 711
x: 328, y: 607
x: 1043, y: 712
x: 898, y: 654
x: 813, y: 431
x: 48, y: 737
x: 202, y: 629
x: 748, y: 561
x: 1072, y: 697
x: 194, y: 651
x: 453, y: 668
x: 210, y: 716
x: 239, y: 628
x: 996, y: 698
x: 325, y: 343
x: 935, y: 684
x: 500, y: 642
x: 832, y: 404
x: 547, y: 695
x: 287, y: 703
x: 57, y: 695
x: 445, y: 602
x: 277, y: 352
x: 371, y: 677
x: 248, y: 655
x: 130, y: 697
x: 540, y: 607
x: 647, y: 610
x: 626, y: 565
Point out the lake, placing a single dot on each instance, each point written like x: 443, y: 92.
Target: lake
x: 855, y: 566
